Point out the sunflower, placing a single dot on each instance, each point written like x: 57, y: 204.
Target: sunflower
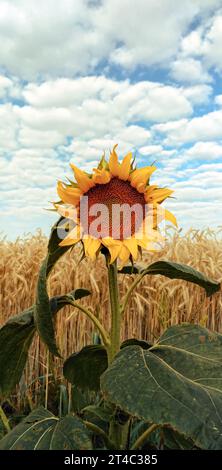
x: 113, y: 185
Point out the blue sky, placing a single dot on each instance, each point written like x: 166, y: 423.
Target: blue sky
x: 78, y: 78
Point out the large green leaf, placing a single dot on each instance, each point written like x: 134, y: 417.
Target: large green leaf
x: 16, y: 337
x: 41, y: 430
x: 84, y: 368
x: 42, y: 311
x: 174, y: 271
x: 54, y: 250
x: 177, y: 382
x: 171, y: 439
x: 133, y: 341
x: 162, y: 438
x: 15, y: 340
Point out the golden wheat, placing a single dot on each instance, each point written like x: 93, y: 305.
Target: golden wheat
x: 158, y: 302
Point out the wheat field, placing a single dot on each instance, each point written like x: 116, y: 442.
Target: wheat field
x: 158, y: 302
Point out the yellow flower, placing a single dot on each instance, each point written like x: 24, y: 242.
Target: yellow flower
x: 128, y: 208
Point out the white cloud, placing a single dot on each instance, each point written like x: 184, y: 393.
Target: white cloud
x: 72, y: 114
x: 198, y: 94
x: 135, y: 135
x: 39, y: 138
x: 108, y: 111
x: 200, y: 50
x: 150, y: 34
x: 206, y: 127
x: 9, y: 125
x: 198, y: 196
x: 205, y: 151
x: 189, y: 70
x: 211, y: 45
x: 192, y: 44
x: 64, y: 92
x: 120, y: 99
x: 153, y: 101
x: 77, y: 36
x: 5, y: 84
x: 151, y: 149
x: 218, y: 100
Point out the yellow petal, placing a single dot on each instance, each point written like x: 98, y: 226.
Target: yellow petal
x: 91, y: 246
x: 148, y: 229
x: 169, y: 216
x: 114, y: 247
x: 140, y: 177
x: 147, y: 241
x: 114, y: 252
x: 113, y: 162
x: 68, y: 195
x: 69, y: 241
x: 148, y: 245
x: 73, y: 237
x: 141, y: 187
x: 154, y: 194
x: 69, y: 212
x: 109, y: 242
x: 131, y: 244
x: 124, y: 255
x: 85, y: 183
x: 150, y: 189
x: 124, y: 168
x: 159, y: 195
x: 101, y: 176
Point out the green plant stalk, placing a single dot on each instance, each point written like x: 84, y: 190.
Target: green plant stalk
x: 115, y: 312
x: 142, y: 439
x: 94, y: 319
x: 119, y: 433
x: 97, y: 430
x: 5, y: 420
x: 116, y: 431
x: 130, y: 291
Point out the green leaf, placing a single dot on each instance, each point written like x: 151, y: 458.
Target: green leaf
x: 133, y: 341
x: 131, y: 269
x: 16, y: 338
x: 81, y: 398
x: 175, y: 271
x: 60, y: 301
x: 41, y: 430
x: 177, y: 382
x: 54, y: 250
x: 101, y: 412
x: 174, y: 440
x: 85, y: 367
x: 42, y: 312
x: 2, y: 429
x: 71, y: 434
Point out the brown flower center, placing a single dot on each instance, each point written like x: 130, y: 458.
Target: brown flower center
x: 115, y: 209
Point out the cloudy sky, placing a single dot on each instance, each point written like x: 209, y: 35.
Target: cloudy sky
x: 78, y: 76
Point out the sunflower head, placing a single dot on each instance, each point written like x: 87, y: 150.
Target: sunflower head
x: 114, y: 207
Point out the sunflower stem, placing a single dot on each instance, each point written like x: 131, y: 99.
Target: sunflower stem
x: 115, y: 429
x: 115, y: 312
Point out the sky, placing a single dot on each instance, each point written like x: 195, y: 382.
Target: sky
x: 78, y: 76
